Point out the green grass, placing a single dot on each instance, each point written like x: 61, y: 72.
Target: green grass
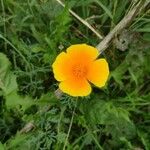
x: 32, y: 34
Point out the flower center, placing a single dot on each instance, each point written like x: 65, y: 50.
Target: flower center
x: 79, y: 71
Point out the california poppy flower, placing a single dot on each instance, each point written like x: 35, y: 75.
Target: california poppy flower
x: 76, y: 68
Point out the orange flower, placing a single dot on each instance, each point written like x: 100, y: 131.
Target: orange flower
x: 76, y: 68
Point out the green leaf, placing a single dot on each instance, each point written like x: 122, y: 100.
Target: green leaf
x: 108, y: 12
x: 115, y: 119
x: 15, y: 143
x: 145, y: 28
x: 119, y: 10
x: 145, y: 139
x: 4, y: 65
x: 15, y: 100
x: 8, y: 82
x: 9, y: 86
x: 146, y: 36
x: 81, y: 3
x: 61, y: 137
x: 1, y: 146
x: 36, y: 48
x: 118, y: 73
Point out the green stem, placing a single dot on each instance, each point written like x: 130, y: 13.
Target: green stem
x: 70, y: 126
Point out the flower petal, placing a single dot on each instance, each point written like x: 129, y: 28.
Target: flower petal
x: 75, y: 87
x: 61, y: 67
x: 98, y: 72
x: 83, y: 52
